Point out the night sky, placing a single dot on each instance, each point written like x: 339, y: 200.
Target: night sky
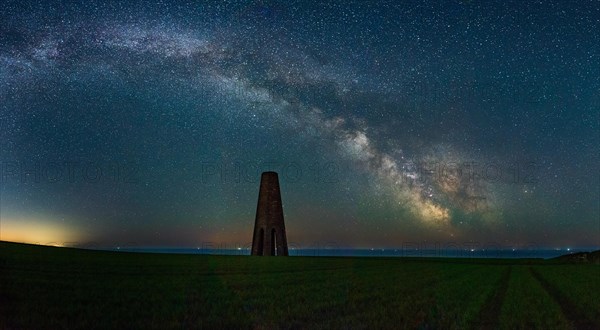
x: 417, y: 121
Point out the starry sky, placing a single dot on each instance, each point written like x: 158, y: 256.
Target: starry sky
x: 134, y: 123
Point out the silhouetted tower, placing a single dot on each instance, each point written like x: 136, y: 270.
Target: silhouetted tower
x: 269, y: 231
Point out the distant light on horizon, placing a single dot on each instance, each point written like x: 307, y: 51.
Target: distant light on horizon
x: 41, y: 232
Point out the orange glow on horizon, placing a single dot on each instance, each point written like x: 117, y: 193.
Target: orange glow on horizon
x: 43, y: 232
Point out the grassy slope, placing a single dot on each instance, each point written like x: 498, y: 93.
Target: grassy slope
x: 58, y: 287
x: 527, y: 305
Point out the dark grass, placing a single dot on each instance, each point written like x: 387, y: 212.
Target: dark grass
x: 489, y: 317
x: 577, y: 294
x: 46, y: 287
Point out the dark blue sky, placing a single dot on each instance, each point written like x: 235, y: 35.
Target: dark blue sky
x: 417, y: 121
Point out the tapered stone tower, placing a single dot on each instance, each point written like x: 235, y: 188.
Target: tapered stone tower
x: 269, y: 231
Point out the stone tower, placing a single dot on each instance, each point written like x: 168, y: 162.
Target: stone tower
x: 269, y: 231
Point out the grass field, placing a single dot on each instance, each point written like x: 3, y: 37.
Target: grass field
x: 46, y: 287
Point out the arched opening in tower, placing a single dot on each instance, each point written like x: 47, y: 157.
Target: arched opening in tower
x: 273, y: 243
x: 261, y: 242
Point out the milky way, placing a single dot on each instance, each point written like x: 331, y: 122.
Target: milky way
x: 150, y: 124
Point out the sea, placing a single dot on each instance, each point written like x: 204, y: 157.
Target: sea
x: 370, y: 252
